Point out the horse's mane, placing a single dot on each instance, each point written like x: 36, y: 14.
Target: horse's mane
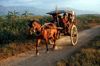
x: 37, y: 22
x: 30, y: 24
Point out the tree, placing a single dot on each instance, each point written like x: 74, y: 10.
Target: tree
x: 26, y: 14
x: 9, y: 16
x: 14, y: 14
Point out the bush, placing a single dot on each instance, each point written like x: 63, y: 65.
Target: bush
x: 18, y: 29
x: 2, y: 19
x: 6, y: 36
x: 10, y: 31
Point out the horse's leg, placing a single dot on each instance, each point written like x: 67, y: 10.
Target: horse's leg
x: 46, y: 40
x: 54, y: 39
x: 59, y: 33
x: 37, y: 44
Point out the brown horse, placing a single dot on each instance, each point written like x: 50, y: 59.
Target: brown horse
x: 44, y: 32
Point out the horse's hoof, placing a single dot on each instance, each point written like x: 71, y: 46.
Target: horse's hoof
x: 47, y: 52
x: 60, y: 47
x: 37, y: 54
x: 56, y: 48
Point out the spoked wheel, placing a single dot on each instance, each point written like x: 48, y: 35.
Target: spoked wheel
x: 74, y: 35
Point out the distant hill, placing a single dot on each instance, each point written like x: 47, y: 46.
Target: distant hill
x: 36, y: 11
x: 80, y: 12
x: 21, y: 9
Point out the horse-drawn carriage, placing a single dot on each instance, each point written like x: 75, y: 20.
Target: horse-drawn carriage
x: 50, y: 30
x: 72, y: 32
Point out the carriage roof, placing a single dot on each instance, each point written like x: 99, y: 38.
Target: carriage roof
x: 61, y: 11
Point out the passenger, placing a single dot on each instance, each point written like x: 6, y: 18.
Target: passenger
x: 66, y: 23
x: 60, y: 21
x: 70, y: 17
x: 65, y: 19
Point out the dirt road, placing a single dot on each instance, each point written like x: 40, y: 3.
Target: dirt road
x: 64, y: 49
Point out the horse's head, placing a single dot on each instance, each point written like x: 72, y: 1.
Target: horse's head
x: 33, y: 27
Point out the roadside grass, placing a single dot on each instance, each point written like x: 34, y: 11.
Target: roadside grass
x: 88, y: 55
x: 87, y: 21
x: 14, y: 37
x: 17, y: 47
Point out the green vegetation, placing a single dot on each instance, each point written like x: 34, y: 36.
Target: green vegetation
x: 88, y: 55
x: 2, y: 19
x: 87, y: 21
x: 10, y: 31
x: 26, y: 14
x: 9, y: 16
x: 17, y: 29
x: 13, y: 14
x: 84, y: 18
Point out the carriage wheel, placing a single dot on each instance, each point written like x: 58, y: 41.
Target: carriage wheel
x: 74, y: 35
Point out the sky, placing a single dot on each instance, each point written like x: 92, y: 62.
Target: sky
x: 91, y: 5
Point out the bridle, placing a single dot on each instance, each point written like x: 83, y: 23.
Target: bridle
x: 39, y: 28
x: 36, y: 30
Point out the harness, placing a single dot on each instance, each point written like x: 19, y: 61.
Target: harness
x: 42, y: 29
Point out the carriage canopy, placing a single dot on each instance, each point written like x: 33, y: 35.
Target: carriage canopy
x: 61, y: 11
